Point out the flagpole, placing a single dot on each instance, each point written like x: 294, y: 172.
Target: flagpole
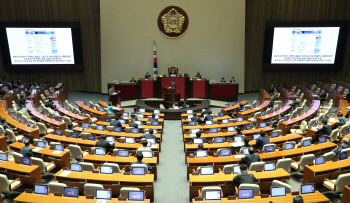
x: 155, y: 65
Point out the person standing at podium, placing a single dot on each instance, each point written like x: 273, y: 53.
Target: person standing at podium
x: 111, y: 92
x: 173, y: 85
x: 147, y: 76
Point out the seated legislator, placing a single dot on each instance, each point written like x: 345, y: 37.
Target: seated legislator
x: 21, y: 102
x: 144, y: 146
x: 262, y: 140
x: 204, y: 112
x: 26, y: 151
x: 347, y: 97
x: 199, y: 134
x: 342, y: 119
x: 34, y: 83
x: 14, y: 84
x: 153, y: 118
x: 326, y: 128
x: 208, y: 117
x: 173, y: 72
x: 298, y: 199
x: 19, y: 82
x: 238, y: 132
x: 115, y: 122
x: 295, y: 104
x: 5, y: 125
x: 275, y: 96
x: 185, y: 106
x: 139, y: 157
x: 275, y: 122
x: 111, y: 109
x: 104, y: 144
x: 133, y: 124
x: 198, y: 76
x: 28, y: 92
x: 323, y: 96
x: 222, y: 80
x: 246, y: 143
x: 2, y: 91
x: 147, y: 76
x: 133, y: 81
x: 345, y: 145
x: 250, y: 158
x: 244, y: 177
x: 195, y: 117
x: 133, y: 116
x: 239, y: 109
x: 232, y: 80
x: 135, y: 111
x: 173, y: 85
x: 70, y: 127
x: 272, y: 89
x: 200, y: 148
x: 149, y: 134
x: 50, y: 104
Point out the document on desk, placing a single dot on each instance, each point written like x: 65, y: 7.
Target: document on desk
x: 101, y: 201
x: 237, y: 144
x: 154, y: 146
x: 257, y: 108
x: 64, y: 173
x: 314, y: 128
x: 36, y: 149
x: 193, y: 135
x: 333, y: 120
x: 239, y: 156
x: 56, y: 152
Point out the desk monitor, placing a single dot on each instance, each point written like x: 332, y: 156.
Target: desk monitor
x: 151, y: 140
x: 192, y: 123
x: 106, y: 169
x: 301, y: 111
x: 201, y: 153
x: 269, y: 166
x: 26, y: 161
x: 76, y: 167
x: 156, y: 111
x: 50, y: 116
x: 269, y: 149
x: 147, y: 154
x: 154, y: 123
x: 107, y: 119
x: 253, y: 106
x: 117, y: 129
x: 123, y: 153
x: 343, y: 156
x: 238, y: 138
x: 130, y: 140
x: 245, y: 150
x: 41, y: 144
x: 83, y: 114
x: 138, y: 171
x: 118, y: 105
x: 248, y: 127
x: 134, y: 131
x: 322, y: 139
x: 91, y: 137
x: 197, y: 140
x: 41, y: 189
x: 239, y: 119
x: 256, y: 136
x: 85, y: 125
x: 244, y: 109
x: 25, y: 139
x: 58, y: 132
x: 194, y: 131
x: 103, y: 194
x: 225, y: 152
x: 189, y: 117
x: 288, y: 145
x: 227, y: 105
x: 4, y: 157
x: 236, y: 169
x: 71, y: 192
x: 245, y: 194
x: 139, y: 115
x: 100, y: 127
x: 138, y: 123
x: 306, y: 143
x: 262, y: 125
x: 235, y: 103
x: 59, y: 147
x: 142, y: 110
x: 31, y: 125
x: 213, y: 130
x: 136, y: 196
x: 231, y: 129
x: 218, y: 140
x: 283, y: 104
x: 155, y: 131
x: 208, y: 122
x: 85, y: 103
x: 122, y: 121
x: 102, y: 109
x: 263, y: 113
x: 278, y: 108
x: 100, y: 151
x: 91, y: 106
x: 278, y: 191
x: 346, y: 131
x: 308, y: 188
x: 285, y: 118
x: 75, y: 111
x: 314, y: 123
x: 74, y: 135
x: 225, y: 121
x: 125, y: 114
x: 189, y: 111
x: 43, y: 112
x: 110, y: 139
x: 221, y: 114
x: 295, y: 115
x: 213, y: 195
x: 320, y: 160
x: 275, y: 134
x: 271, y: 110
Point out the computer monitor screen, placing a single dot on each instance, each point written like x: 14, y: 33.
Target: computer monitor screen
x: 225, y: 121
x: 213, y: 195
x: 278, y: 108
x: 285, y: 118
x: 248, y: 127
x: 269, y: 166
x: 134, y: 131
x: 123, y: 153
x: 138, y: 123
x: 320, y: 160
x: 130, y: 140
x: 154, y: 123
x: 201, y: 153
x: 43, y: 112
x: 110, y: 139
x: 221, y: 114
x: 59, y: 147
x: 322, y: 139
x: 262, y: 125
x: 122, y: 121
x: 307, y: 188
x: 75, y: 111
x: 245, y: 194
x: 263, y: 113
x: 74, y: 135
x: 253, y: 106
x: 138, y: 171
x: 256, y: 136
x: 26, y: 161
x: 231, y: 129
x: 192, y: 123
x: 235, y: 103
x: 274, y: 134
x: 41, y: 189
x: 71, y: 192
x: 346, y: 131
x: 100, y: 127
x: 343, y: 156
x: 25, y: 139
x: 306, y: 143
x: 238, y: 138
x: 136, y: 195
x: 142, y: 110
x: 156, y: 111
x: 227, y: 105
x: 151, y: 140
x: 245, y: 150
x: 271, y: 110
x: 91, y: 137
x: 288, y: 145
x: 106, y: 169
x: 314, y: 124
x: 147, y: 154
x: 100, y: 151
x: 218, y: 140
x: 269, y: 149
x: 76, y: 167
x: 117, y: 129
x: 239, y: 119
x: 4, y: 157
x: 295, y: 115
x: 139, y: 115
x: 91, y: 106
x: 125, y: 114
x: 31, y: 125
x: 278, y: 191
x: 244, y: 109
x: 41, y: 144
x: 208, y: 122
x: 102, y: 109
x: 83, y: 114
x: 225, y: 152
x: 198, y: 140
x: 103, y: 194
x: 301, y: 111
x: 58, y: 132
x: 50, y: 116
x: 85, y: 125
x: 236, y: 169
x: 214, y: 130
x: 189, y: 111
x: 107, y: 119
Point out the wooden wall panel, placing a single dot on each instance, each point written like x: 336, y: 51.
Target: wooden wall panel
x: 87, y: 12
x: 260, y: 11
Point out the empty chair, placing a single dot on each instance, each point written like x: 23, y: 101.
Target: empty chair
x: 267, y: 145
x: 279, y: 132
x: 333, y: 86
x: 277, y: 183
x: 17, y: 156
x: 318, y: 90
x: 229, y: 167
x: 328, y: 156
x: 7, y: 185
x: 87, y: 166
x: 52, y: 90
x: 346, y: 91
x: 340, y: 88
x: 76, y: 152
x: 334, y: 135
x: 91, y: 119
x: 298, y: 110
x: 293, y: 89
x: 31, y: 121
x: 44, y: 166
x: 67, y: 120
x: 279, y: 103
x: 215, y: 121
x: 116, y: 168
x: 124, y: 191
x: 305, y: 160
x: 2, y: 130
x: 84, y: 135
x: 19, y: 115
x: 35, y: 142
x: 67, y: 132
x: 313, y: 87
x: 43, y: 130
x: 301, y: 96
x: 337, y: 185
x: 304, y: 139
x: 12, y: 137
x: 47, y: 93
x: 297, y: 93
x: 247, y: 106
x: 301, y: 130
x: 256, y: 115
x: 284, y: 163
x: 90, y: 188
x: 256, y: 166
x: 56, y: 187
x: 255, y: 187
x: 212, y: 188
x: 43, y: 98
x: 93, y: 126
x: 128, y: 129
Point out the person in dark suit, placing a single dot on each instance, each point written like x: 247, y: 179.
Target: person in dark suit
x: 14, y: 84
x: 204, y: 112
x: 185, y: 106
x: 342, y: 119
x: 294, y: 105
x: 323, y: 96
x: 135, y: 111
x: 147, y: 76
x: 19, y: 82
x: 244, y: 177
x: 173, y: 72
x: 232, y: 80
x: 149, y: 134
x: 275, y: 96
x: 222, y: 80
x: 238, y: 131
x: 275, y: 122
x: 326, y: 128
x: 34, y: 83
x: 21, y: 102
x: 71, y: 128
x: 173, y: 85
x: 133, y: 124
x: 139, y: 157
x: 209, y: 117
x: 28, y: 92
x: 246, y: 143
x: 298, y: 199
x: 26, y: 151
x: 200, y: 148
x: 195, y: 117
x: 262, y: 140
x: 198, y: 76
x: 345, y: 145
x: 153, y: 118
x: 239, y: 109
x: 133, y: 116
x: 347, y: 97
x: 272, y: 89
x: 250, y: 158
x: 133, y: 80
x: 199, y: 134
x: 50, y: 104
x: 104, y: 144
x: 115, y: 122
x: 2, y: 91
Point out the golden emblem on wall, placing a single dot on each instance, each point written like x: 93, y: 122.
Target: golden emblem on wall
x: 173, y: 22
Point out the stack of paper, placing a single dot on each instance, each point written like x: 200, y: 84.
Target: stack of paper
x: 65, y: 173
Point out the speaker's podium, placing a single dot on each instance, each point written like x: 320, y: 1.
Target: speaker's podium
x: 169, y: 95
x: 115, y: 98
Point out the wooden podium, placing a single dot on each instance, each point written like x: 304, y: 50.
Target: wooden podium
x: 115, y: 99
x: 170, y: 95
